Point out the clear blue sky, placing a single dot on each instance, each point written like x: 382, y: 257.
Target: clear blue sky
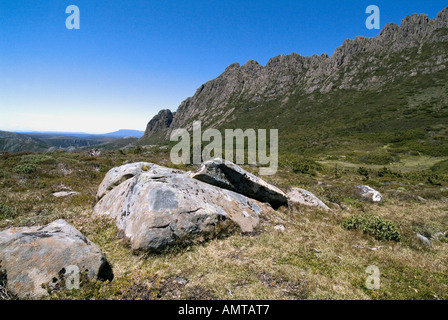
x: 132, y: 58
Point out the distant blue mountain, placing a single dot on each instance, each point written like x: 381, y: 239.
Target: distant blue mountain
x: 122, y: 133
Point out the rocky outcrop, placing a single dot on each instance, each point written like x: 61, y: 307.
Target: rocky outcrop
x: 160, y: 207
x: 37, y: 257
x: 305, y: 198
x: 159, y: 124
x: 227, y: 175
x: 361, y: 63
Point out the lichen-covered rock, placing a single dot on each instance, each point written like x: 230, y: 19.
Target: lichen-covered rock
x: 38, y: 256
x: 161, y: 207
x: 117, y: 175
x: 306, y: 198
x: 227, y: 175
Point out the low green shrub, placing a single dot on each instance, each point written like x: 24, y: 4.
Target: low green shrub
x: 386, y: 172
x: 375, y: 226
x: 440, y: 167
x: 304, y: 166
x: 25, y: 168
x: 435, y: 180
x: 36, y: 158
x: 6, y: 212
x: 364, y: 172
x: 378, y: 158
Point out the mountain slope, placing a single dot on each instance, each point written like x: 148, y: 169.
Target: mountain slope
x: 391, y: 89
x: 16, y: 142
x: 41, y: 142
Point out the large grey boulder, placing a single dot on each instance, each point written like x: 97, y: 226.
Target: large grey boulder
x: 306, y: 198
x: 161, y: 207
x: 227, y: 175
x: 37, y: 256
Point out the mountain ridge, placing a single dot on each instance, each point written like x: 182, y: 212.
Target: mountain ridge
x: 415, y: 49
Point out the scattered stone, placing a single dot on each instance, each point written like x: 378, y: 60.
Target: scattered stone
x: 421, y: 199
x: 280, y: 228
x: 63, y: 194
x: 440, y: 236
x: 37, y: 256
x: 160, y: 207
x: 369, y: 194
x: 94, y: 153
x: 129, y: 147
x: 181, y: 281
x: 373, y: 249
x: 306, y: 198
x: 227, y: 175
x: 424, y: 239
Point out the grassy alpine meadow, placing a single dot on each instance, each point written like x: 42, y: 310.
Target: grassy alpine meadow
x: 299, y: 252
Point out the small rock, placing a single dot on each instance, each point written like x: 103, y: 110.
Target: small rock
x: 362, y: 247
x: 424, y: 239
x: 62, y: 194
x: 306, y: 198
x: 421, y: 199
x: 280, y: 228
x: 369, y: 194
x: 181, y: 281
x: 94, y: 153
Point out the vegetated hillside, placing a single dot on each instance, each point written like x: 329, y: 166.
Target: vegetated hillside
x: 61, y: 142
x: 41, y: 142
x: 16, y: 142
x: 389, y: 91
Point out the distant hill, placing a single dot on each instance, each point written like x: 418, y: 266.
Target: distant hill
x: 16, y: 142
x: 119, y: 143
x: 123, y: 133
x: 56, y: 133
x: 44, y: 141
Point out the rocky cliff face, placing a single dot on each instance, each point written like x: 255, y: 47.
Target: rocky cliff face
x: 159, y: 125
x: 416, y: 47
